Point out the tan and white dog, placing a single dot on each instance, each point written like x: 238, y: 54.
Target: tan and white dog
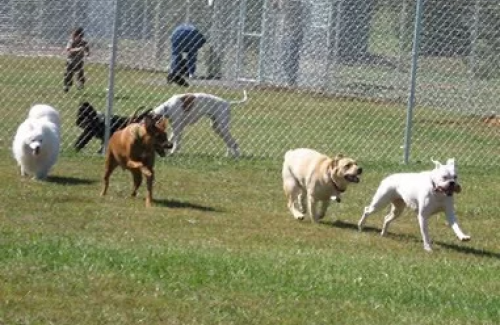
x: 186, y: 109
x: 313, y: 177
x: 426, y: 192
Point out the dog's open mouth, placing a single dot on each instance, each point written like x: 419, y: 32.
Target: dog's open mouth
x: 450, y: 190
x: 352, y: 178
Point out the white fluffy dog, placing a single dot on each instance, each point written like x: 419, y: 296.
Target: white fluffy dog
x: 426, y: 192
x: 186, y: 109
x: 37, y: 140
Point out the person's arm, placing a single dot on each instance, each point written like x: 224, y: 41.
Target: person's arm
x: 71, y: 49
x: 87, y: 48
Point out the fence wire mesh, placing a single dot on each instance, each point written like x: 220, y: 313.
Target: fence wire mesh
x: 328, y: 74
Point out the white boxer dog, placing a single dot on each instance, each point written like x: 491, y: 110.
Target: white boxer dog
x: 426, y: 192
x: 186, y: 109
x: 313, y: 177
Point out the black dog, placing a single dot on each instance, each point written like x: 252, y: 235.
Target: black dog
x: 93, y: 124
x: 180, y: 77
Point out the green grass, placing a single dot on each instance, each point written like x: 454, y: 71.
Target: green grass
x: 219, y: 246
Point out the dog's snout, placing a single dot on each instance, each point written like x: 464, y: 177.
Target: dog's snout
x: 168, y: 145
x: 360, y: 171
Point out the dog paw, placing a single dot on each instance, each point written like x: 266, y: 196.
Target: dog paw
x: 428, y: 247
x: 465, y: 238
x: 146, y: 172
x: 335, y: 199
x: 299, y: 217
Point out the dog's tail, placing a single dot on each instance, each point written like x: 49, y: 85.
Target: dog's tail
x: 241, y: 101
x: 136, y: 117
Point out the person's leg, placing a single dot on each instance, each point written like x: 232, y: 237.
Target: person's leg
x: 176, y: 57
x: 80, y: 76
x: 191, y: 62
x: 68, y: 75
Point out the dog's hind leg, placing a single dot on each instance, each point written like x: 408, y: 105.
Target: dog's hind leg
x: 380, y: 200
x: 301, y: 201
x: 221, y: 128
x: 292, y: 192
x: 397, y: 207
x: 137, y: 177
x: 109, y: 166
x: 312, y: 204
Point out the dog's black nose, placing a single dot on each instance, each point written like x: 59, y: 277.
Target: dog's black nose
x: 360, y: 170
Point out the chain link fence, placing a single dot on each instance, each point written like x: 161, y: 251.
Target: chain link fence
x: 335, y: 75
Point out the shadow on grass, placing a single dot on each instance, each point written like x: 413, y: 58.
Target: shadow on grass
x: 352, y: 226
x: 174, y: 204
x: 405, y: 237
x: 67, y: 180
x: 368, y: 229
x: 469, y: 250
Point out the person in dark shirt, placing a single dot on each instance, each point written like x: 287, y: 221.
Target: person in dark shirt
x: 76, y: 50
x: 186, y: 40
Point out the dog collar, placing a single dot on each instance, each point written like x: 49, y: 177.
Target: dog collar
x: 335, y: 186
x: 437, y: 189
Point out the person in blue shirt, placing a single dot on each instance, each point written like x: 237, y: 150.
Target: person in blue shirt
x: 186, y: 41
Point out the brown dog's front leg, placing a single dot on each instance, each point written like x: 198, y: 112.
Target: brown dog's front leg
x: 137, y: 176
x: 149, y: 195
x: 132, y: 164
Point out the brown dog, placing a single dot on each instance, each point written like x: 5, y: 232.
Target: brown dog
x: 134, y: 148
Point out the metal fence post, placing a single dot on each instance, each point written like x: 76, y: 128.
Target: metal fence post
x: 413, y: 79
x: 111, y: 78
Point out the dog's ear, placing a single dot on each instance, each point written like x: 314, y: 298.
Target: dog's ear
x: 187, y: 101
x: 451, y: 161
x: 134, y: 117
x: 336, y: 159
x: 162, y: 124
x: 437, y: 164
x: 143, y: 114
x: 149, y: 123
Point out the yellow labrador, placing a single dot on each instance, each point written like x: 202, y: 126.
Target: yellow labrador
x: 314, y: 177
